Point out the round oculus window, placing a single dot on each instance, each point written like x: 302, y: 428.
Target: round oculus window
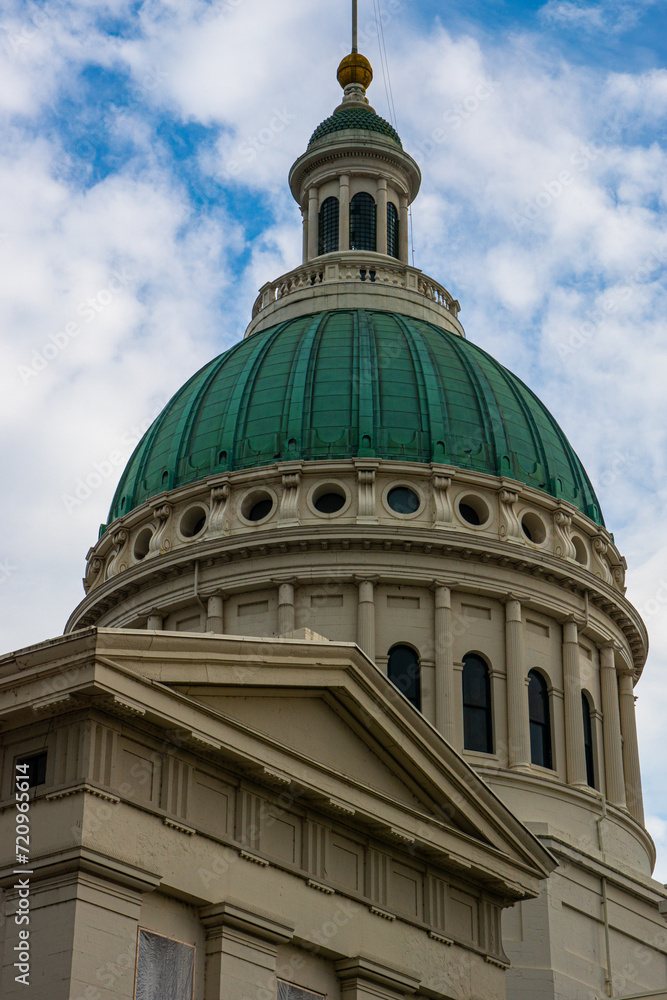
x: 329, y: 503
x: 403, y: 500
x: 473, y: 510
x: 261, y: 509
x: 193, y: 522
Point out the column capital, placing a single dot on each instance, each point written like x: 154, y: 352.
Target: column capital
x: 360, y: 578
x: 254, y: 922
x: 397, y: 982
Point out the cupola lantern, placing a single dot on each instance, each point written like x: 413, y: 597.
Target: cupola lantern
x: 355, y: 182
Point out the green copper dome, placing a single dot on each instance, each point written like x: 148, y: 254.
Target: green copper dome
x: 355, y: 118
x: 350, y: 383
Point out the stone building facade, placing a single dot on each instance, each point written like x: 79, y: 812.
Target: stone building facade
x: 348, y: 707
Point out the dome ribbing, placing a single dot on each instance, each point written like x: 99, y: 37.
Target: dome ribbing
x: 354, y: 383
x: 358, y: 118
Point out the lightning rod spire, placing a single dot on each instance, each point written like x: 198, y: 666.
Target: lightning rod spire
x: 355, y: 41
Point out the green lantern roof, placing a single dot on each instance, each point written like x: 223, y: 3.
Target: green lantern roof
x: 355, y: 118
x: 354, y: 383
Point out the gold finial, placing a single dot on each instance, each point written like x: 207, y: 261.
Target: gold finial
x: 355, y: 68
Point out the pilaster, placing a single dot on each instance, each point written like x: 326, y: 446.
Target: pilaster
x: 611, y: 728
x: 633, y: 778
x: 366, y: 615
x: 575, y: 755
x: 518, y: 731
x: 444, y: 664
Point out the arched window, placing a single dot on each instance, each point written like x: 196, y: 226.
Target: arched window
x: 477, y: 720
x: 392, y: 230
x: 328, y: 232
x: 540, y: 720
x: 588, y: 740
x: 363, y: 215
x: 403, y: 671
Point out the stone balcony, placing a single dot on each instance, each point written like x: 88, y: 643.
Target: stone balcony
x: 355, y: 280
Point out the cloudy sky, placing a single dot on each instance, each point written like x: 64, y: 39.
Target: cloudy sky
x: 143, y: 201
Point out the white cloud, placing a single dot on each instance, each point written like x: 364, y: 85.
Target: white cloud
x: 614, y: 15
x: 531, y: 255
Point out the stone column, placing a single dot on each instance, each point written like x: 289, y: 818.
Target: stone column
x: 304, y: 216
x: 364, y: 978
x: 445, y: 719
x: 241, y: 951
x: 611, y: 728
x: 575, y: 754
x: 215, y: 615
x: 155, y: 622
x: 382, y: 216
x: 313, y: 223
x: 286, y: 616
x: 518, y: 730
x: 404, y: 230
x: 633, y: 778
x: 366, y: 616
x: 344, y: 213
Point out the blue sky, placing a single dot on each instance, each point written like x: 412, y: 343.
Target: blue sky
x: 143, y: 164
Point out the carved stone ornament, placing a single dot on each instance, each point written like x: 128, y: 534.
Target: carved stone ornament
x: 218, y: 524
x: 159, y: 543
x: 601, y: 569
x: 366, y: 492
x: 288, y: 501
x: 442, y: 502
x: 563, y: 529
x: 510, y: 526
x: 120, y: 539
x: 93, y: 570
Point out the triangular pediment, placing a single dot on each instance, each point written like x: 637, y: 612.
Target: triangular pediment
x: 318, y: 728
x: 327, y: 718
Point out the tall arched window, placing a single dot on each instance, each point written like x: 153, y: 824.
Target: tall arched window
x: 403, y: 671
x: 588, y: 740
x: 328, y: 232
x: 540, y: 720
x: 392, y: 230
x: 363, y: 216
x: 477, y: 718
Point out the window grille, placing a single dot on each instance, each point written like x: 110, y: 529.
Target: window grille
x: 588, y: 741
x: 540, y: 720
x: 403, y: 670
x: 477, y: 714
x: 288, y: 991
x: 392, y: 230
x: 36, y: 773
x: 165, y: 968
x: 363, y: 222
x: 328, y: 223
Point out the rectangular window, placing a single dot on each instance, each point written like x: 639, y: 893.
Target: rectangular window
x: 165, y: 968
x: 36, y: 773
x: 288, y: 991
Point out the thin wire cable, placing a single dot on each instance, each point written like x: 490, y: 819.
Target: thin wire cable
x: 384, y: 62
